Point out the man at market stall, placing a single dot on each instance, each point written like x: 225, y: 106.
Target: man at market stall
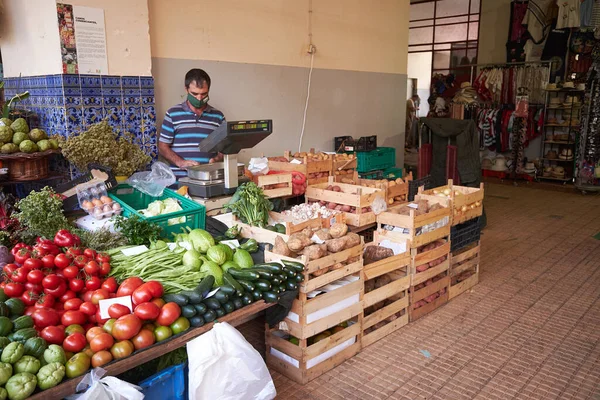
x: 185, y: 125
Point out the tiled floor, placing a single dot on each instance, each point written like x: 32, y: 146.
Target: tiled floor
x: 529, y: 330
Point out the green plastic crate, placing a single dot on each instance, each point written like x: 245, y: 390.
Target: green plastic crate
x: 371, y: 175
x: 392, y: 173
x: 132, y: 200
x: 382, y: 158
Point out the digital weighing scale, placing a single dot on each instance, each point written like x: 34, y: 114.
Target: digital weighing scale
x: 219, y: 179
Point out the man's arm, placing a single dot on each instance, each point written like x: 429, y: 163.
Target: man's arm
x: 167, y: 135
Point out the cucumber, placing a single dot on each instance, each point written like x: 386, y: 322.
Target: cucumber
x: 220, y: 312
x: 289, y: 272
x: 270, y: 297
x: 264, y: 273
x: 200, y: 308
x: 282, y: 288
x: 238, y: 303
x: 212, y: 303
x: 246, y: 274
x: 289, y: 285
x: 205, y: 285
x: 197, y: 321
x: 188, y: 311
x: 228, y: 290
x: 178, y: 299
x: 229, y: 307
x: 296, y: 266
x: 299, y: 278
x: 257, y: 295
x: 247, y: 299
x: 209, y: 316
x: 248, y: 286
x: 193, y: 296
x: 228, y: 279
x: 221, y: 297
x: 263, y: 285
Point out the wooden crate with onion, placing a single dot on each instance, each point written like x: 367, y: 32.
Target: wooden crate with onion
x: 396, y: 190
x: 464, y: 269
x: 316, y: 167
x: 466, y: 202
x: 355, y: 201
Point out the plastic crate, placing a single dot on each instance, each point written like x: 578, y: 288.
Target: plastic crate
x: 392, y: 173
x: 371, y: 175
x: 343, y: 144
x: 168, y: 384
x: 414, y: 185
x: 382, y: 158
x: 132, y: 200
x: 366, y: 143
x: 463, y: 235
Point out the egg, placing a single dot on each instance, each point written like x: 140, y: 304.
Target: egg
x: 107, y: 208
x: 97, y: 213
x: 105, y: 199
x: 86, y: 205
x: 116, y: 206
x: 94, y: 192
x: 97, y: 203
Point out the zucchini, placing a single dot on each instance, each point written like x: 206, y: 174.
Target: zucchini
x: 296, y: 266
x: 197, y: 321
x: 188, y: 311
x: 270, y: 297
x: 228, y: 290
x: 264, y: 273
x: 228, y: 279
x: 289, y: 272
x: 256, y: 295
x: 221, y: 297
x: 205, y: 285
x: 200, y: 308
x: 263, y: 285
x: 282, y: 277
x: 275, y: 281
x: 282, y: 288
x: 289, y: 285
x: 209, y: 316
x: 220, y: 312
x: 248, y: 286
x: 178, y: 299
x: 229, y: 307
x: 193, y: 296
x: 246, y: 274
x: 247, y: 299
x: 212, y: 303
x: 274, y: 289
x: 274, y: 267
x: 238, y: 303
x: 299, y: 278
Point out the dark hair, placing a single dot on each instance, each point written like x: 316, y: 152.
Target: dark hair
x: 197, y: 75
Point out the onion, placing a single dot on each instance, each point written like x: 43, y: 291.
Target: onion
x: 477, y: 203
x: 464, y: 208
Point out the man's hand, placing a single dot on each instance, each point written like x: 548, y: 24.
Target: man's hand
x: 187, y: 163
x: 218, y: 158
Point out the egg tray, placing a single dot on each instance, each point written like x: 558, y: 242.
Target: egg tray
x: 104, y: 214
x: 94, y: 199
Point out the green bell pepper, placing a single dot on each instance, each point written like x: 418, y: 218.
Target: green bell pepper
x: 21, y: 386
x: 232, y: 232
x: 27, y: 364
x: 251, y: 246
x: 55, y: 353
x: 50, y: 375
x: 6, y: 371
x: 12, y: 353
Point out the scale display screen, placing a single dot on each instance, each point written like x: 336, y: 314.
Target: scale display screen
x: 250, y: 126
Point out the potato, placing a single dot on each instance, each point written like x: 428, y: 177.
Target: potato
x: 352, y: 260
x: 338, y: 207
x: 422, y: 268
x: 369, y: 285
x: 315, y: 251
x: 337, y: 189
x: 338, y: 230
x: 336, y: 245
x: 399, y: 181
x: 281, y: 248
x: 298, y: 241
x: 323, y: 234
x: 352, y: 240
x: 337, y: 266
x: 308, y: 232
x: 432, y: 297
x: 332, y: 206
x: 376, y: 253
x: 382, y: 281
x: 323, y: 203
x: 435, y: 207
x: 330, y: 187
x: 346, y: 208
x: 391, y: 201
x: 320, y: 272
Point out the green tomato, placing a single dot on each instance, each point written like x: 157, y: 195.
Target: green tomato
x: 181, y: 324
x: 50, y: 375
x: 74, y: 328
x: 21, y: 386
x: 55, y: 353
x: 12, y: 353
x: 162, y: 333
x: 27, y: 364
x: 6, y: 371
x: 3, y: 394
x: 77, y: 365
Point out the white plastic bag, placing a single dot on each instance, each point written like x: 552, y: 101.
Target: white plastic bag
x: 108, y: 388
x: 259, y: 166
x: 224, y: 366
x: 153, y: 182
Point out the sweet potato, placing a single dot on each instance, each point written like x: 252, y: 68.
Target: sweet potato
x: 434, y: 207
x: 298, y: 241
x: 320, y: 272
x: 338, y: 230
x: 422, y: 268
x: 281, y: 248
x: 352, y: 260
x: 336, y: 245
x: 382, y: 281
x: 337, y: 266
x: 376, y: 253
x: 369, y: 285
x: 431, y: 297
x: 352, y: 240
x: 315, y: 251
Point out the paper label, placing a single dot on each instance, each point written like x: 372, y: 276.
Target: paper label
x: 134, y: 251
x: 294, y: 161
x: 397, y: 248
x: 413, y: 205
x: 105, y: 304
x: 233, y: 244
x: 332, y: 221
x: 317, y: 239
x: 212, y: 293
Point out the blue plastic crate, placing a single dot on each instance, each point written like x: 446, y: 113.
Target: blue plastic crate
x: 168, y: 384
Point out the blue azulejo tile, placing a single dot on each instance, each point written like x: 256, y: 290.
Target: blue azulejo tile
x: 91, y: 91
x: 150, y: 134
x: 151, y: 150
x: 146, y: 81
x: 131, y: 92
x: 148, y: 100
x: 90, y: 81
x: 132, y: 115
x: 112, y: 101
x: 114, y: 115
x: 132, y: 100
x: 92, y: 101
x: 72, y: 91
x: 92, y: 115
x: 74, y: 116
x: 111, y: 81
x: 111, y: 91
x: 54, y: 81
x: 147, y: 92
x: 149, y: 114
x: 135, y: 130
x: 130, y: 81
x: 71, y: 80
x: 73, y: 100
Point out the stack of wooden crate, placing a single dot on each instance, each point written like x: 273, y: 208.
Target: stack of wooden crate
x: 396, y: 190
x: 316, y: 167
x: 324, y: 327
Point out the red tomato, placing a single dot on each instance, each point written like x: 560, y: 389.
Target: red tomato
x: 29, y: 298
x: 74, y: 251
x: 20, y: 275
x: 129, y: 285
x: 93, y: 283
x: 75, y: 342
x: 74, y: 328
x: 62, y: 261
x: 35, y: 276
x: 93, y: 332
x: 159, y: 302
x: 122, y: 349
x: 147, y: 311
x: 118, y: 310
x: 99, y: 319
x: 33, y: 263
x: 101, y: 358
x: 102, y: 341
x: 80, y: 261
x: 10, y: 268
x: 88, y: 308
x: 73, y: 304
x: 76, y: 285
x: 156, y: 288
x: 69, y: 294
x: 104, y: 268
x: 92, y: 320
x: 53, y: 334
x: 48, y: 261
x: 126, y: 327
x: 30, y: 310
x: 91, y: 268
x: 51, y: 281
x: 89, y: 253
x: 102, y: 258
x: 86, y: 295
x: 22, y: 255
x: 14, y: 289
x: 110, y: 285
x: 73, y: 317
x: 143, y: 339
x: 44, y: 317
x: 70, y: 272
x: 168, y: 314
x: 45, y: 300
x: 147, y: 292
x: 34, y: 287
x: 98, y: 295
x: 59, y: 291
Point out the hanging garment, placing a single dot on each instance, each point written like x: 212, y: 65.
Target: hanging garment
x: 537, y: 19
x: 568, y: 14
x: 556, y: 51
x: 517, y: 13
x: 586, y: 9
x: 519, y: 141
x: 595, y: 23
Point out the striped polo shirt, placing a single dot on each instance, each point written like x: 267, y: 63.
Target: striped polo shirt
x: 184, y: 130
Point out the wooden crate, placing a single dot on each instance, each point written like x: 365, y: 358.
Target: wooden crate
x: 394, y: 293
x: 343, y: 167
x: 263, y: 181
x: 351, y: 195
x: 297, y: 362
x: 411, y: 223
x: 392, y: 190
x: 417, y: 294
x: 422, y: 258
x: 465, y: 206
x: 304, y: 165
x: 464, y: 262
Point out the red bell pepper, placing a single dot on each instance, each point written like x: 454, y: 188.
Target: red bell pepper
x: 64, y: 238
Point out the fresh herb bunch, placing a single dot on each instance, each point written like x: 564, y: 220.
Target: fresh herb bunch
x: 41, y: 214
x: 101, y: 145
x: 101, y: 239
x: 250, y: 205
x: 137, y: 231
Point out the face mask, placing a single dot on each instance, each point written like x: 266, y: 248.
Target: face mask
x: 195, y: 102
